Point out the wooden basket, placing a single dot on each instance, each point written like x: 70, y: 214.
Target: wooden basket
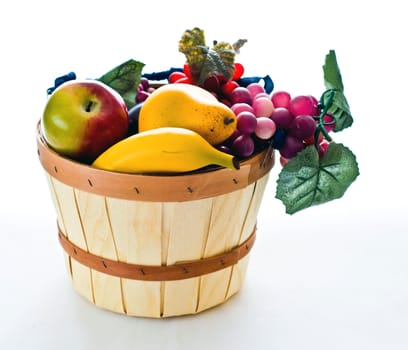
x: 156, y: 246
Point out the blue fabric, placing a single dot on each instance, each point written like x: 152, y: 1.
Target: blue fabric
x: 60, y: 80
x: 163, y: 75
x: 268, y: 83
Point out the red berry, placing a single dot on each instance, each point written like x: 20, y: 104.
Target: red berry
x: 311, y: 140
x: 323, y: 147
x: 283, y: 161
x: 228, y: 87
x: 184, y: 80
x: 328, y: 118
x: 174, y: 76
x: 186, y: 69
x: 238, y: 71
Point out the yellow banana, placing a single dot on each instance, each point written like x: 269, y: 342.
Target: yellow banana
x: 163, y: 150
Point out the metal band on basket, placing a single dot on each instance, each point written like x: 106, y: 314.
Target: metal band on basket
x: 178, y: 271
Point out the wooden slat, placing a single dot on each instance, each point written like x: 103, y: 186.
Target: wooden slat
x: 81, y: 275
x: 136, y: 228
x: 239, y: 270
x: 97, y: 230
x: 60, y: 220
x: 227, y: 219
x: 186, y: 226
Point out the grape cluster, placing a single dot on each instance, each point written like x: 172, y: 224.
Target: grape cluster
x: 297, y: 121
x: 144, y: 90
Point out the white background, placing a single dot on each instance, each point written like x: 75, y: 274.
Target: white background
x: 331, y: 277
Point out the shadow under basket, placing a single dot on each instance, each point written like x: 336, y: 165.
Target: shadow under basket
x: 156, y: 246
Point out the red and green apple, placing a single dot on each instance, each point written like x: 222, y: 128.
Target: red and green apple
x: 82, y: 118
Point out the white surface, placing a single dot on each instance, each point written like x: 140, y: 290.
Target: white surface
x: 332, y: 277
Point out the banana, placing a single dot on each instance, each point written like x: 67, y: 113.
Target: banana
x: 163, y: 150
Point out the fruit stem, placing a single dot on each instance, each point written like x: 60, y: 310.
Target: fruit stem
x: 324, y: 109
x: 89, y: 106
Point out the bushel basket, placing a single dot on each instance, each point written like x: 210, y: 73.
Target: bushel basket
x: 156, y: 246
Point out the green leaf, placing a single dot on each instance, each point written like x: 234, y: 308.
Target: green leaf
x: 307, y: 180
x: 332, y: 76
x: 125, y: 79
x: 337, y: 105
x: 340, y: 110
x: 204, y: 61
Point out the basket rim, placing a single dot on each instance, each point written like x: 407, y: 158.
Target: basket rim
x: 147, y: 187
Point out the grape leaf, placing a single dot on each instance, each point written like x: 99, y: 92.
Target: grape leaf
x: 125, y: 79
x: 338, y: 106
x: 307, y: 180
x: 332, y: 75
x: 340, y: 110
x: 204, y: 61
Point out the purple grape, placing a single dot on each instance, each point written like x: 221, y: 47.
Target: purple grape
x: 291, y: 147
x: 243, y: 146
x: 281, y: 99
x: 241, y: 95
x: 282, y: 117
x: 302, y: 105
x: 230, y: 140
x: 145, y: 83
x: 212, y: 84
x: 133, y: 116
x: 302, y: 127
x: 142, y: 96
x: 240, y: 107
x: 246, y: 122
x: 263, y: 106
x: 255, y: 89
x: 265, y: 128
x: 225, y: 149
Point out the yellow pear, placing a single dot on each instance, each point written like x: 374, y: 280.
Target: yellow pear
x: 191, y: 107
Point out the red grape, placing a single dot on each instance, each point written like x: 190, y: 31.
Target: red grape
x: 255, y: 89
x: 241, y: 95
x: 263, y: 107
x: 237, y: 108
x: 328, y: 118
x: 212, y: 84
x: 246, y: 122
x: 302, y: 105
x: 323, y: 147
x: 282, y: 117
x: 265, y: 128
x: 291, y: 147
x: 145, y: 83
x: 142, y: 96
x: 281, y: 99
x: 243, y: 146
x: 225, y: 149
x: 262, y: 94
x: 311, y: 139
x: 316, y: 105
x: 231, y: 139
x: 283, y: 161
x: 303, y: 126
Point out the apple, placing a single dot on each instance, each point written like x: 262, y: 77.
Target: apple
x: 82, y: 118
